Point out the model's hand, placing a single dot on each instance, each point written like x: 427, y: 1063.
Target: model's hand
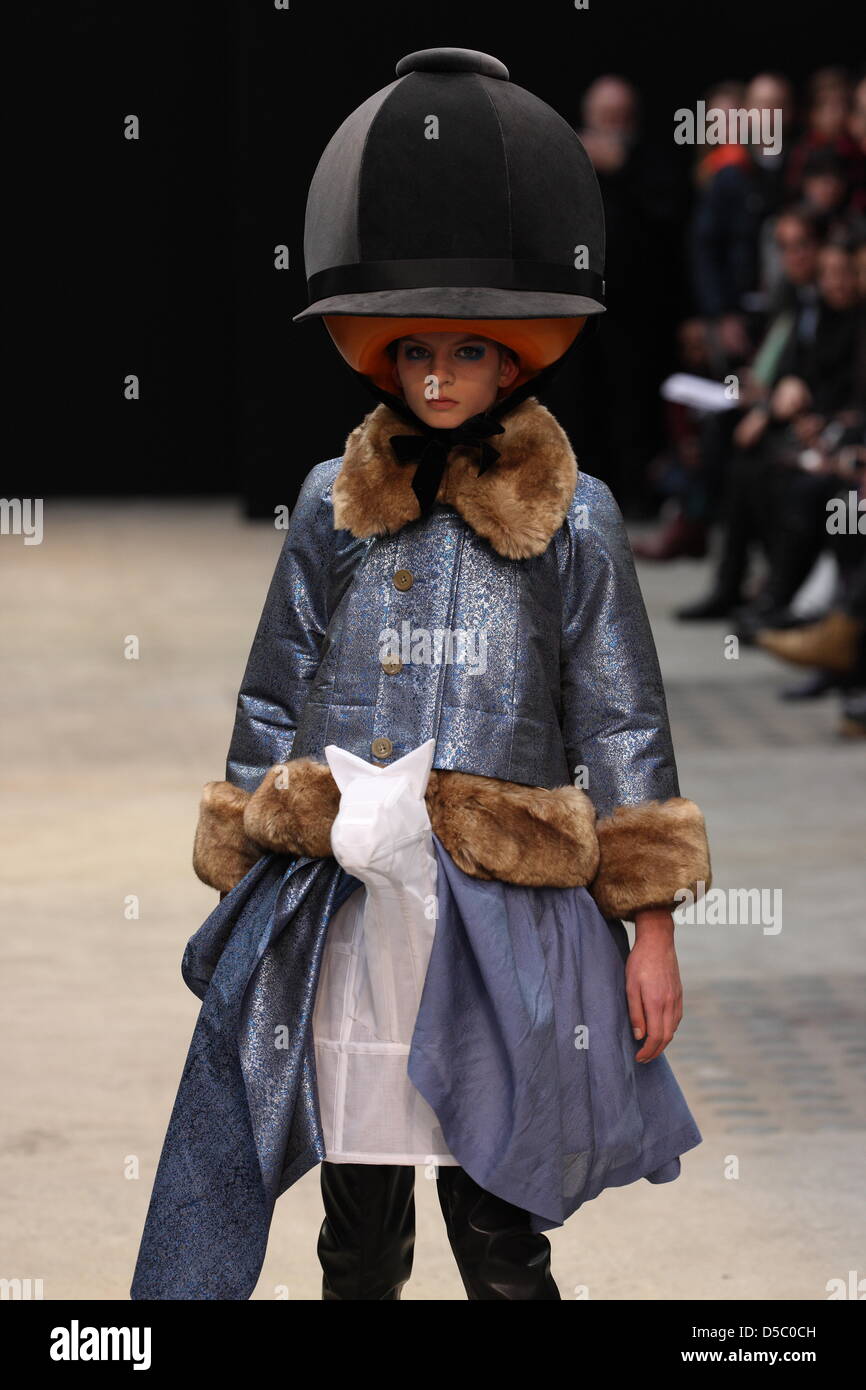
x: 652, y: 983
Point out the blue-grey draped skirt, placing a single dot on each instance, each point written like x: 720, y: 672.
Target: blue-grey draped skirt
x: 522, y: 1046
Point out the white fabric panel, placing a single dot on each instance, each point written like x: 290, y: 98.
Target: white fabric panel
x: 375, y: 963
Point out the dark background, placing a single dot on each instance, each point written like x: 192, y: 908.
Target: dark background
x: 157, y: 255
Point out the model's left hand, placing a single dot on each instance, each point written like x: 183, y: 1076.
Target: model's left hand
x: 652, y: 981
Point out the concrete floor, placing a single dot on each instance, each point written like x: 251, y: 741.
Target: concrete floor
x: 104, y: 759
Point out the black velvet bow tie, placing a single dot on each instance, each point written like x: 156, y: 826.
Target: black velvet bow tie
x: 432, y: 448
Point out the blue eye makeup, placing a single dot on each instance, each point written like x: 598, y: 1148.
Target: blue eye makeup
x: 476, y: 351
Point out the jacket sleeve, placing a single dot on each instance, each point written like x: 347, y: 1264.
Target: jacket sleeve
x: 652, y: 842
x: 282, y: 662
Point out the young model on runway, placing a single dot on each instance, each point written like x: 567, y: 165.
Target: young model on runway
x: 451, y: 775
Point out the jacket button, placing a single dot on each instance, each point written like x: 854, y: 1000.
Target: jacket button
x: 392, y: 668
x: 404, y: 579
x: 381, y: 747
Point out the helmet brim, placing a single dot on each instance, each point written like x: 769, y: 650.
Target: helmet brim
x: 455, y: 302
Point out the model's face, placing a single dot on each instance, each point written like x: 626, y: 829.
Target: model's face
x: 466, y: 373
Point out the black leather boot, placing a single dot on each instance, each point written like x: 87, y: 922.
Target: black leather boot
x: 367, y: 1242
x: 496, y: 1252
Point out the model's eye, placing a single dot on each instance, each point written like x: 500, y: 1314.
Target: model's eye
x: 412, y: 349
x: 476, y: 351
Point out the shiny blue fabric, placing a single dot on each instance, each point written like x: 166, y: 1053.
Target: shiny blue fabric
x: 523, y: 1047
x: 572, y: 678
x: 513, y: 973
x: 245, y: 1122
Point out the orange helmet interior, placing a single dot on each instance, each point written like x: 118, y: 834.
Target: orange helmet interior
x: 363, y: 340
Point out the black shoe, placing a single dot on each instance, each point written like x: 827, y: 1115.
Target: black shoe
x: 498, y: 1255
x: 716, y: 605
x: 367, y: 1241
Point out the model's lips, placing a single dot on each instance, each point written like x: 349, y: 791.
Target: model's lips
x: 443, y: 400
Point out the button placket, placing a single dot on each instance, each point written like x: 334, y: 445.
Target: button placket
x: 408, y: 705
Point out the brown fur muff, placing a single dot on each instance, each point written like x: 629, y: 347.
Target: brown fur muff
x: 222, y: 852
x: 293, y: 808
x: 638, y: 857
x: 504, y: 830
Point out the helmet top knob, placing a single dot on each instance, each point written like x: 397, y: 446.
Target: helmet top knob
x: 452, y: 60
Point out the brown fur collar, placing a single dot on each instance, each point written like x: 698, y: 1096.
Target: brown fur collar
x: 518, y: 504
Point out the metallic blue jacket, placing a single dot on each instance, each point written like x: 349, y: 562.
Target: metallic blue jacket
x: 507, y: 623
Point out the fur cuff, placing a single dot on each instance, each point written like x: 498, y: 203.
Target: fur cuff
x: 223, y: 853
x: 293, y: 808
x: 519, y: 834
x: 638, y: 857
x: 492, y: 829
x: 649, y: 852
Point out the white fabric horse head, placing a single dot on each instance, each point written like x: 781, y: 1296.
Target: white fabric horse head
x: 382, y: 809
x: 382, y: 836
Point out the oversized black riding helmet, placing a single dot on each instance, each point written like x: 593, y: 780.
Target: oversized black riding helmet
x: 454, y: 200
x: 453, y: 193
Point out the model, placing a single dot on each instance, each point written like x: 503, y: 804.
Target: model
x: 451, y: 776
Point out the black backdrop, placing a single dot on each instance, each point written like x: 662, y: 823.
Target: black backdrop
x: 160, y: 251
